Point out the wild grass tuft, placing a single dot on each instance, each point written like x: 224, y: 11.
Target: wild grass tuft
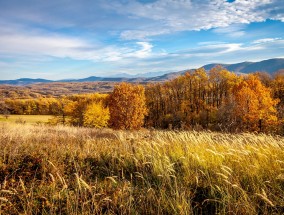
x: 68, y: 170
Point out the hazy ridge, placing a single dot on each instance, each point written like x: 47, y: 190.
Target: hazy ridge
x: 270, y: 66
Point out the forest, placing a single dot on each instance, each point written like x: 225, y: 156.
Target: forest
x: 217, y: 100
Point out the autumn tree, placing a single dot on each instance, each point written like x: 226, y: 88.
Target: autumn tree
x: 96, y: 115
x: 127, y: 106
x: 277, y: 87
x: 190, y: 100
x: 62, y: 108
x: 213, y: 100
x: 254, y: 105
x: 4, y: 109
x: 78, y: 106
x: 264, y: 77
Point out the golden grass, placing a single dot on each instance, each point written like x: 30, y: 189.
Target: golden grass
x: 26, y: 119
x: 68, y: 170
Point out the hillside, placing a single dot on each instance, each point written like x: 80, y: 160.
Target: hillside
x: 270, y: 66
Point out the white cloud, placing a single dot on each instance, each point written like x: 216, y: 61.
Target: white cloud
x: 235, y: 30
x: 210, y: 43
x: 135, y: 20
x: 56, y: 46
x: 141, y: 58
x: 210, y: 52
x: 115, y: 53
x: 142, y: 34
x: 186, y: 15
x: 36, y: 46
x: 90, y: 31
x: 265, y: 40
x: 44, y: 44
x: 145, y: 51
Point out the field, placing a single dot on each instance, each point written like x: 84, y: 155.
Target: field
x: 54, y: 89
x: 26, y: 119
x: 68, y: 170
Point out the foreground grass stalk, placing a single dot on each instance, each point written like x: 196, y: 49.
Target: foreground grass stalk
x: 68, y: 170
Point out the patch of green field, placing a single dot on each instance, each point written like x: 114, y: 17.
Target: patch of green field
x: 26, y: 119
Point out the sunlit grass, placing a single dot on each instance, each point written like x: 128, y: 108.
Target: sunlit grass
x: 67, y: 170
x: 25, y: 119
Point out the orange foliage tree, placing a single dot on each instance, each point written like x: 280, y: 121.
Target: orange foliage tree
x: 127, y: 106
x: 277, y: 86
x: 254, y: 106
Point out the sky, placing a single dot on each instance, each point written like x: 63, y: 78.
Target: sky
x: 63, y: 39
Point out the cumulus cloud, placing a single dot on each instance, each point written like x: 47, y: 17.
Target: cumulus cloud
x: 140, y: 20
x: 187, y: 15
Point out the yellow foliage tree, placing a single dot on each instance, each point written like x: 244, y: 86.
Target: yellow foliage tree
x: 79, y: 105
x: 127, y: 105
x: 96, y: 115
x: 254, y: 104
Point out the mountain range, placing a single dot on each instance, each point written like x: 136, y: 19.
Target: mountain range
x: 270, y: 66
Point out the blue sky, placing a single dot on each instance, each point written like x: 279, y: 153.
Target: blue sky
x: 73, y: 39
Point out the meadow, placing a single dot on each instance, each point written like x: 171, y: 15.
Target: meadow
x: 71, y: 170
x: 25, y: 119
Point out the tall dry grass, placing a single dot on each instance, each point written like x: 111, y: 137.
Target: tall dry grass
x: 67, y: 170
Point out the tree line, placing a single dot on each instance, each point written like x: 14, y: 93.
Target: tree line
x: 215, y: 100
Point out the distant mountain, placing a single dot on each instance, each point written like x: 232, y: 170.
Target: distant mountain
x: 122, y: 75
x: 24, y: 81
x: 95, y: 78
x: 143, y: 75
x: 167, y: 76
x: 270, y: 66
x: 153, y: 74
